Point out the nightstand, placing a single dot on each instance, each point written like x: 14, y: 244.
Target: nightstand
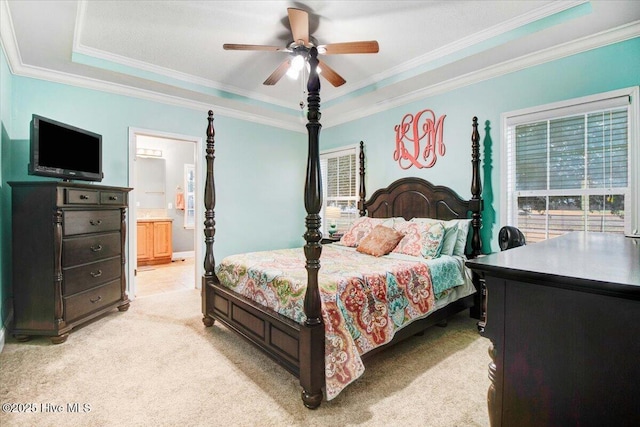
x: 328, y: 240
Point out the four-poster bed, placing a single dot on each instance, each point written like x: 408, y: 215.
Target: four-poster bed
x: 303, y: 344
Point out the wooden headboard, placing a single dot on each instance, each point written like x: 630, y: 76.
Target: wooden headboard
x: 416, y: 197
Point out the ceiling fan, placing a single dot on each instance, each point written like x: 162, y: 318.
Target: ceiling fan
x: 300, y: 46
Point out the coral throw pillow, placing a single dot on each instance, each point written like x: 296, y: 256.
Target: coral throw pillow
x: 380, y: 241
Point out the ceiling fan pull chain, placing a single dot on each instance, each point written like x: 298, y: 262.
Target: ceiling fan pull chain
x: 303, y: 85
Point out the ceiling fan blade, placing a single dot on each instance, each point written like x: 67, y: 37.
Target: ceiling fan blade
x: 278, y: 73
x: 350, y: 47
x: 299, y: 21
x: 231, y: 46
x: 330, y: 74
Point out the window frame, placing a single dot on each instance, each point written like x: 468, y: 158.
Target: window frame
x: 332, y: 153
x: 575, y: 106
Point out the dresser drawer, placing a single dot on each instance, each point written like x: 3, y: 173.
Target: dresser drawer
x: 112, y: 198
x: 86, y: 249
x: 81, y: 278
x: 89, y: 301
x: 83, y: 222
x: 82, y: 197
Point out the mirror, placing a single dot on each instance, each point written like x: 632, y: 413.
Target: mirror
x: 189, y: 196
x: 151, y: 180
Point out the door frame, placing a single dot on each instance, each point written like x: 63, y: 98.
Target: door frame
x: 132, y: 217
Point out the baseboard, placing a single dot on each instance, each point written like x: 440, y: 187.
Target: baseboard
x: 2, y: 334
x: 185, y: 254
x: 4, y: 329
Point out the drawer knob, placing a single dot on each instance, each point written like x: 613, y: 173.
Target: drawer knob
x: 95, y: 300
x: 84, y: 197
x: 95, y: 221
x: 96, y: 273
x: 113, y: 197
x: 96, y: 248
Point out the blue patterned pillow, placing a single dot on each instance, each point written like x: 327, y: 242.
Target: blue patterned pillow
x: 420, y: 239
x: 450, y: 233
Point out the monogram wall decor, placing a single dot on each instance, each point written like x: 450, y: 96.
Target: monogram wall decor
x: 414, y: 132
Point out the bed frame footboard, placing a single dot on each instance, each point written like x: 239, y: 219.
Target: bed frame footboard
x: 276, y: 335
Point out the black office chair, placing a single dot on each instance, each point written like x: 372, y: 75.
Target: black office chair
x: 510, y: 237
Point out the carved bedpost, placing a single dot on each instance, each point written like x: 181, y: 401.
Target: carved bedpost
x: 209, y: 221
x: 476, y: 191
x: 312, y: 333
x: 363, y: 191
x: 209, y: 202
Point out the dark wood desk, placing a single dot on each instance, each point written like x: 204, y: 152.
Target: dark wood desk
x: 564, y: 319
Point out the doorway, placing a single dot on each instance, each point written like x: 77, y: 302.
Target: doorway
x: 176, y: 275
x: 165, y: 174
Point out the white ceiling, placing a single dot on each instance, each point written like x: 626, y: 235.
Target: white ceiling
x: 171, y: 51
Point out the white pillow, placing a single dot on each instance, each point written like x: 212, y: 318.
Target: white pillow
x: 450, y: 238
x: 461, y: 240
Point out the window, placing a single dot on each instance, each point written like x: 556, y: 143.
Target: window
x: 571, y: 167
x: 340, y: 183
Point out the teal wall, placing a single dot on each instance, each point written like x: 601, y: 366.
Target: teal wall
x: 258, y: 166
x: 252, y: 160
x: 5, y: 218
x: 600, y: 70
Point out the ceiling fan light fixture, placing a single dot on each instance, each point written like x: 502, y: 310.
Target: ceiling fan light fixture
x: 297, y: 63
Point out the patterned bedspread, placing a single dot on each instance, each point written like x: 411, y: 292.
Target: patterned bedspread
x: 365, y: 299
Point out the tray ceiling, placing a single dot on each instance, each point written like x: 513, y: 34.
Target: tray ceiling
x: 171, y: 51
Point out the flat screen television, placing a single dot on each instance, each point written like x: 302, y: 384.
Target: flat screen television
x: 63, y: 151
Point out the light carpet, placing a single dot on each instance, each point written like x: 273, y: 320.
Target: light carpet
x: 157, y: 364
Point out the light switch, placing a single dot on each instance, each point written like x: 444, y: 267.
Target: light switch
x: 170, y: 205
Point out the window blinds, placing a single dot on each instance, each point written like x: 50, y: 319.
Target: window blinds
x: 568, y: 168
x: 340, y: 185
x: 586, y: 151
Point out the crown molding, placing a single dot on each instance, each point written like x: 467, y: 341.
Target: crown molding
x: 173, y: 75
x: 460, y: 45
x: 8, y: 40
x: 9, y: 44
x: 155, y: 70
x: 605, y: 38
x: 119, y: 89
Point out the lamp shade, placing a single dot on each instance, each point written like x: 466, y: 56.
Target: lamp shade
x: 332, y: 212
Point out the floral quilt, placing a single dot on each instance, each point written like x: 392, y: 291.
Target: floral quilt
x: 365, y: 299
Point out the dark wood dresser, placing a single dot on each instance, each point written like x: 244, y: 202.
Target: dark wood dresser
x: 68, y: 255
x: 564, y: 319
